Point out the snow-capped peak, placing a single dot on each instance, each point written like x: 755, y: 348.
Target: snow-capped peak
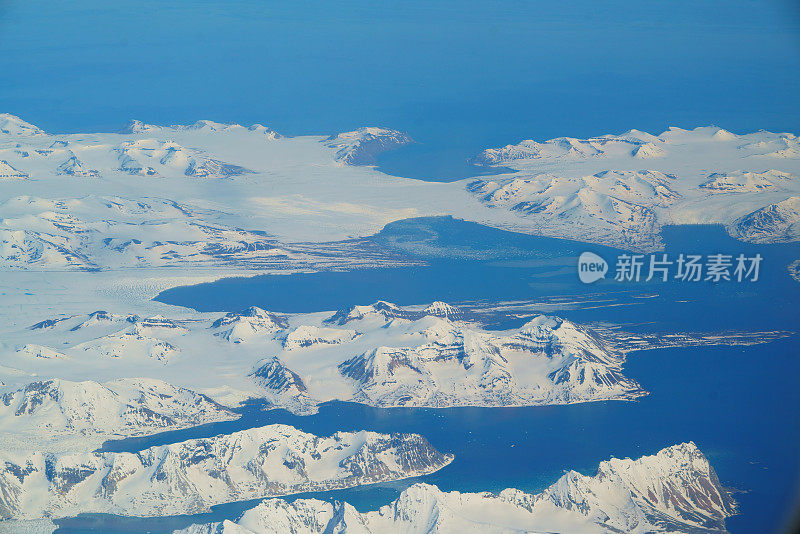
x: 381, y: 310
x: 193, y: 475
x: 674, y: 491
x: 746, y: 181
x: 774, y: 223
x: 33, y: 350
x: 136, y: 126
x: 13, y: 125
x: 203, y: 125
x: 8, y: 172
x: 70, y: 411
x: 648, y: 150
x: 248, y: 324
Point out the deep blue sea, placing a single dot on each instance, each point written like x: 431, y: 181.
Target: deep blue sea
x: 458, y: 76
x: 739, y: 404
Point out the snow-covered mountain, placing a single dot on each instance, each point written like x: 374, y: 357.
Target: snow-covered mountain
x: 383, y: 312
x: 133, y: 343
x: 62, y: 415
x: 194, y: 196
x: 33, y: 350
x: 283, y: 388
x: 306, y: 336
x: 95, y: 318
x: 632, y: 144
x: 152, y: 157
x: 547, y: 361
x: 110, y: 220
x: 362, y: 146
x: 249, y: 324
x: 747, y: 182
x: 594, y: 189
x: 109, y: 232
x: 72, y: 166
x: 675, y: 490
x: 8, y: 172
x: 139, y: 127
x: 228, y: 196
x: 13, y: 125
x: 779, y: 222
x: 382, y: 355
x: 190, y: 476
x: 418, y: 357
x: 609, y: 205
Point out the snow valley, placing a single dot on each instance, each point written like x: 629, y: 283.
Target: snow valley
x: 229, y: 196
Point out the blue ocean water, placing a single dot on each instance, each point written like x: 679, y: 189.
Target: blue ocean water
x: 459, y: 77
x: 468, y: 262
x: 736, y: 403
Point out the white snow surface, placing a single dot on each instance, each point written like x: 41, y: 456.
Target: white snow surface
x: 674, y: 490
x: 621, y: 189
x: 90, y: 228
x: 227, y: 196
x: 382, y: 355
x: 61, y: 415
x: 190, y: 476
x: 94, y: 225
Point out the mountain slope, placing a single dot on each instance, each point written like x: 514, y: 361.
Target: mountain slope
x: 60, y: 414
x: 191, y: 476
x: 779, y: 222
x: 362, y: 146
x: 547, y: 361
x: 675, y: 490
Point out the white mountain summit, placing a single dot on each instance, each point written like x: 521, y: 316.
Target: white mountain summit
x: 58, y: 415
x: 360, y: 147
x: 190, y: 476
x: 611, y: 189
x: 382, y: 355
x: 675, y: 490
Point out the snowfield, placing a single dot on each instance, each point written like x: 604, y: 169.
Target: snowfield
x: 73, y: 380
x: 675, y: 490
x: 228, y: 196
x: 190, y: 476
x: 621, y: 189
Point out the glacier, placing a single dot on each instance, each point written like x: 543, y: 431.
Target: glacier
x: 201, y: 194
